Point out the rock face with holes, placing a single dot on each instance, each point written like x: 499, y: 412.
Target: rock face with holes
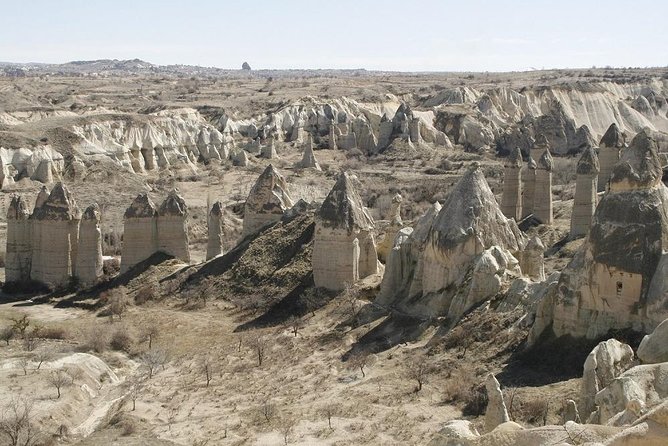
x: 609, y: 151
x: 214, y: 245
x: 267, y: 201
x: 585, y: 200
x: 172, y: 227
x: 511, y: 203
x: 89, y: 259
x: 140, y: 232
x: 619, y: 277
x: 55, y: 238
x: 344, y: 248
x: 18, y: 255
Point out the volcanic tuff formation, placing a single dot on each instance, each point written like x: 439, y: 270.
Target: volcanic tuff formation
x: 344, y: 249
x: 618, y: 279
x: 267, y: 201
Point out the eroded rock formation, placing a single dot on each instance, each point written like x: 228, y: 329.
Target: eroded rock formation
x: 609, y: 151
x: 585, y: 200
x: 18, y: 255
x: 267, y: 201
x: 511, y: 203
x: 214, y: 245
x: 140, y: 232
x: 618, y: 279
x: 344, y: 249
x: 89, y: 258
x: 542, y: 202
x: 172, y: 227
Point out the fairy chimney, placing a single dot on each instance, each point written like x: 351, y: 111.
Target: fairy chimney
x: 511, y: 203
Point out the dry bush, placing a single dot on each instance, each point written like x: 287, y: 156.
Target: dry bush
x: 51, y: 333
x: 6, y: 334
x: 153, y: 360
x: 118, y: 303
x: 59, y: 379
x: 96, y: 339
x: 122, y: 340
x: 151, y: 291
x: 418, y: 371
x: 17, y: 426
x: 463, y: 388
x: 259, y: 345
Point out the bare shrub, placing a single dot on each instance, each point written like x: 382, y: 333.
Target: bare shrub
x: 208, y: 365
x: 96, y: 339
x: 118, y: 303
x: 59, y: 379
x: 268, y: 410
x: 43, y: 356
x: 6, y: 334
x: 51, y: 333
x: 16, y: 423
x: 151, y: 291
x: 154, y: 359
x: 287, y: 428
x: 259, y: 345
x: 122, y: 340
x: 20, y: 325
x: 151, y: 332
x: 295, y: 324
x: 418, y: 371
x: 359, y: 361
x: 329, y: 411
x: 136, y: 387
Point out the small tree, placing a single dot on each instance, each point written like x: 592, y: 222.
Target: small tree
x: 136, y: 387
x: 359, y: 361
x: 259, y: 346
x: 20, y: 325
x: 16, y: 423
x: 330, y: 411
x: 287, y: 427
x: 350, y: 301
x: 268, y: 410
x: 208, y: 365
x: 59, y: 379
x: 295, y: 324
x: 151, y: 332
x: 43, y: 356
x: 6, y: 334
x: 23, y: 363
x: 153, y: 359
x: 418, y: 371
x: 118, y: 303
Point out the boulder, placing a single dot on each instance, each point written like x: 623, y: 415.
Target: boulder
x: 496, y: 412
x: 214, y: 246
x: 653, y: 348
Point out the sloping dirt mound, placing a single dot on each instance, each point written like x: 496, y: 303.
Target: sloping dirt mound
x: 262, y: 269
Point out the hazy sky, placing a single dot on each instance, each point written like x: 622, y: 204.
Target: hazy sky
x: 408, y: 35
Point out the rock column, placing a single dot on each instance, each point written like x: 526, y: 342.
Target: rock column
x: 531, y: 260
x: 267, y: 201
x: 511, y: 203
x: 609, y: 153
x: 140, y: 232
x: 584, y: 203
x: 172, y: 227
x: 542, y: 207
x: 214, y: 246
x: 528, y: 188
x: 19, y: 248
x: 89, y: 259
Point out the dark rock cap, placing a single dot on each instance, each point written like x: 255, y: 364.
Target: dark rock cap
x: 613, y: 137
x: 92, y: 213
x: 59, y: 206
x: 546, y: 162
x: 174, y: 205
x: 142, y: 207
x: 17, y: 209
x: 515, y: 158
x: 588, y: 163
x: 216, y: 209
x: 343, y: 207
x: 639, y: 165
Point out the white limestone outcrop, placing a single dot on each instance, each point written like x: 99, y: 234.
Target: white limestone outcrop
x: 496, y: 412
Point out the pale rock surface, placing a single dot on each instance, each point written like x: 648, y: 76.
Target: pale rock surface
x: 214, y: 246
x: 511, y: 202
x: 344, y: 249
x: 570, y: 412
x: 140, y: 232
x: 610, y: 147
x: 240, y: 158
x: 267, y: 201
x: 585, y: 200
x: 18, y: 254
x: 606, y: 361
x: 89, y: 258
x: 42, y: 196
x: 55, y: 238
x: 542, y: 207
x: 643, y: 386
x: 308, y: 158
x: 528, y: 188
x: 617, y: 279
x: 172, y: 227
x: 496, y: 412
x: 394, y: 226
x: 654, y: 346
x: 268, y: 151
x: 532, y: 259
